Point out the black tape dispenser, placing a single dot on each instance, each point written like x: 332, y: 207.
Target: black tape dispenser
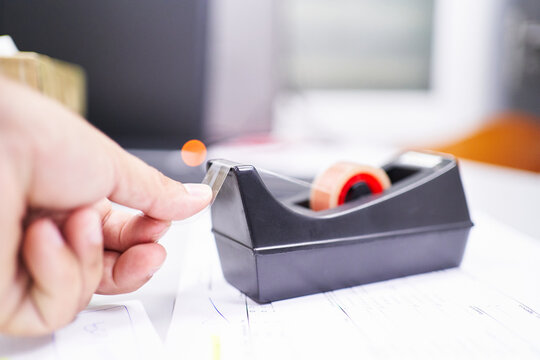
x: 273, y: 249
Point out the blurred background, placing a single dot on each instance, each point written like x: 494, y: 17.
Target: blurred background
x: 451, y: 75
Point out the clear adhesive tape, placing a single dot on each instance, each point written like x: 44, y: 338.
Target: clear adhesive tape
x: 216, y: 175
x: 330, y: 188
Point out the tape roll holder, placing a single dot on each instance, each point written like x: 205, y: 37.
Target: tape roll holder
x: 274, y: 247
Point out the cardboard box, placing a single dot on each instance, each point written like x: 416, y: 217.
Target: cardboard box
x: 57, y: 79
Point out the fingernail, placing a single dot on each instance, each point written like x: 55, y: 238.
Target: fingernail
x: 96, y: 237
x: 153, y: 271
x: 162, y: 232
x: 199, y: 190
x: 96, y: 234
x: 54, y: 235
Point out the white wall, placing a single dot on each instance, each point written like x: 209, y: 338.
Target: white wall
x: 240, y: 84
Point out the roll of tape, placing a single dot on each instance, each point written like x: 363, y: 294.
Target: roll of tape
x: 331, y: 187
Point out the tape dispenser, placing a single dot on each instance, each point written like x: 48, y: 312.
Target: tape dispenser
x: 407, y: 218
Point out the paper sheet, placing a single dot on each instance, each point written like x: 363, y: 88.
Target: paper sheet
x: 446, y: 314
x: 115, y: 331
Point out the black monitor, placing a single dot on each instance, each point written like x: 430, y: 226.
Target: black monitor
x: 144, y: 61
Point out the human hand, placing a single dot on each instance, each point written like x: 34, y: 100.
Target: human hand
x: 61, y: 241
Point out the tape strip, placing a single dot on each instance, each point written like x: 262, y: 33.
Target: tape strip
x: 216, y: 175
x: 327, y: 191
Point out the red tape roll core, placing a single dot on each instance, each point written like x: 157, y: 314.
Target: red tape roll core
x: 374, y: 185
